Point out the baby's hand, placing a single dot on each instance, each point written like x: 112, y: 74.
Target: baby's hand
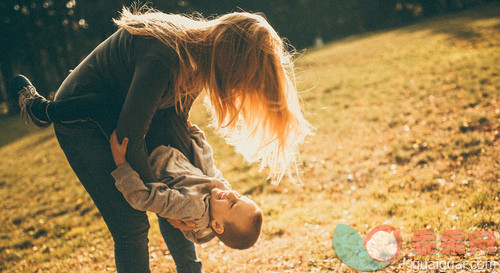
x: 118, y: 150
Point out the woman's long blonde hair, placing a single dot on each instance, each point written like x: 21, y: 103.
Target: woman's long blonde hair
x: 243, y: 65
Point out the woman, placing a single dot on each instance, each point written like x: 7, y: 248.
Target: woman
x: 154, y: 67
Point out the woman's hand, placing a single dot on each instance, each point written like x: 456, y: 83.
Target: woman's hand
x: 184, y: 225
x: 118, y: 150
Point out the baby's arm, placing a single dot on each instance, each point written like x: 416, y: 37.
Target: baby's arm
x: 154, y: 197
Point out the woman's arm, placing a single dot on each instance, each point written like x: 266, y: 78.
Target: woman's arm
x: 149, y: 82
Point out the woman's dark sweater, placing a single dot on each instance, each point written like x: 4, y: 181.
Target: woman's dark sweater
x: 136, y: 71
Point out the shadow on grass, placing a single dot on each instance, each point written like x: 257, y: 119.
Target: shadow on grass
x: 13, y: 128
x: 456, y: 25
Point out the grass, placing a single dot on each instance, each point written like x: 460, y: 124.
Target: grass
x: 407, y: 135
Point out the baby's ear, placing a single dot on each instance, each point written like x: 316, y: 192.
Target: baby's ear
x: 217, y: 226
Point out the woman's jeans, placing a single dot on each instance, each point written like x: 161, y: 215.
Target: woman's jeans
x: 88, y: 152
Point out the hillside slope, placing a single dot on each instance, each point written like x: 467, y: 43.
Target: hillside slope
x: 407, y: 134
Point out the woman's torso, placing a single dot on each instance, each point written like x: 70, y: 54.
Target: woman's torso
x: 110, y: 67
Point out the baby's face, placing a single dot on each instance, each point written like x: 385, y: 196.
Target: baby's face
x: 229, y: 206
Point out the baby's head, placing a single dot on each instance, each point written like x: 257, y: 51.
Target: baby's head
x: 235, y: 219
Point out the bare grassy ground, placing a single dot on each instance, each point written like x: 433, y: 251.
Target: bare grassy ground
x: 407, y: 135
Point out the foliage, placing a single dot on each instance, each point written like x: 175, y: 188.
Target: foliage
x: 44, y: 39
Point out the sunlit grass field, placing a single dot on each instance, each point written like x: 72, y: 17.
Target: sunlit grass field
x: 407, y: 134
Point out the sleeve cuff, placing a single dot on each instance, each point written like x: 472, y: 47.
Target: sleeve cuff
x: 122, y: 171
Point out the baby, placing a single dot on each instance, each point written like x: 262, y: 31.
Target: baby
x: 196, y: 193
